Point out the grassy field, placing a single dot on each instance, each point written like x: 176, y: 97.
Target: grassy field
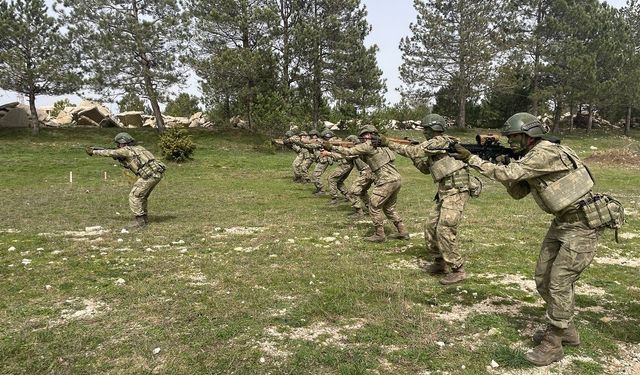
x: 244, y: 272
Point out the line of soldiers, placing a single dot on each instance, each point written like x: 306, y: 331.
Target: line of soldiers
x: 553, y: 175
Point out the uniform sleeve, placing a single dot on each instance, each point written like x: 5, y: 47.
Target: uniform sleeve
x: 422, y: 165
x: 364, y: 148
x: 118, y: 153
x: 533, y: 164
x: 432, y: 146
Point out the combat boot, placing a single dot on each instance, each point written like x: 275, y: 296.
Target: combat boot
x: 139, y: 222
x: 438, y: 267
x: 357, y: 213
x: 333, y: 201
x: 569, y: 338
x: 549, y: 350
x: 318, y: 192
x: 402, y: 232
x: 378, y: 235
x: 456, y: 275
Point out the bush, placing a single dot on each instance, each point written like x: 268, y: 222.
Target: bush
x: 176, y: 145
x: 59, y: 106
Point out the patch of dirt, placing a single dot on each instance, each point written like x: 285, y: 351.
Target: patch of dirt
x: 618, y: 157
x: 320, y: 333
x: 493, y: 305
x: 527, y: 284
x: 403, y: 264
x: 79, y: 309
x: 629, y: 361
x: 618, y: 261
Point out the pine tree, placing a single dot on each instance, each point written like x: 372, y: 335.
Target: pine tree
x: 36, y: 57
x: 184, y: 105
x: 453, y: 44
x: 130, y: 46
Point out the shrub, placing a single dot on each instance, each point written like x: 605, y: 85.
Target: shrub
x: 59, y: 106
x: 176, y: 145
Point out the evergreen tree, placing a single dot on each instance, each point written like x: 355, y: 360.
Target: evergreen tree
x: 629, y: 79
x: 453, y: 43
x: 36, y: 57
x: 131, y: 102
x: 184, y: 105
x: 130, y: 46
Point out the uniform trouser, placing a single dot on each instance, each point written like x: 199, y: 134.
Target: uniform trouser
x: 382, y: 202
x: 441, y: 228
x: 297, y: 166
x: 357, y: 194
x: 316, y: 177
x: 139, y: 194
x: 337, y: 178
x: 567, y: 250
x: 304, y: 167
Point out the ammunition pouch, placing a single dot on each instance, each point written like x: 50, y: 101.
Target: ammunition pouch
x: 602, y: 210
x: 456, y: 180
x: 151, y: 169
x: 475, y: 186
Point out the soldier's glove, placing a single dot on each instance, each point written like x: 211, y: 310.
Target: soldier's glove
x: 380, y: 141
x: 88, y: 150
x: 327, y: 146
x: 461, y: 153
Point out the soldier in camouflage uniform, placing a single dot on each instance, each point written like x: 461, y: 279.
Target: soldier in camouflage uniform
x: 322, y: 161
x: 357, y: 194
x: 143, y: 164
x: 453, y: 179
x: 558, y: 181
x: 387, y: 182
x: 307, y: 158
x: 340, y: 173
x: 292, y: 139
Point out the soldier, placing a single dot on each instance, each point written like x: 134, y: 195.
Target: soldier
x: 453, y: 180
x: 559, y: 183
x: 340, y: 173
x: 387, y: 182
x: 307, y: 159
x: 322, y: 161
x: 357, y: 193
x: 143, y: 164
x: 292, y: 139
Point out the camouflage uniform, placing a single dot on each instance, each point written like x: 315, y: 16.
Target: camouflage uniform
x: 299, y: 173
x: 357, y: 193
x: 569, y: 245
x: 387, y: 184
x: 441, y: 228
x: 144, y: 165
x: 339, y: 175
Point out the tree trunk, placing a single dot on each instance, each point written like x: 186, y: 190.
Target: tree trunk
x: 35, y: 126
x: 462, y: 109
x: 627, y: 123
x: 153, y: 99
x: 590, y: 120
x: 556, y: 117
x: 571, y: 118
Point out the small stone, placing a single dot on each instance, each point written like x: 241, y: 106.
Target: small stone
x: 120, y: 281
x: 124, y: 230
x: 156, y: 350
x: 183, y: 251
x: 40, y: 249
x: 26, y: 261
x: 440, y: 344
x: 328, y: 239
x: 494, y: 364
x: 48, y: 287
x: 12, y: 248
x: 291, y: 240
x: 120, y: 240
x: 179, y: 242
x: 593, y: 148
x: 262, y: 360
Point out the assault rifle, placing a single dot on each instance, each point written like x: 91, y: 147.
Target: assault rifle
x: 94, y: 148
x: 403, y: 141
x: 488, y: 147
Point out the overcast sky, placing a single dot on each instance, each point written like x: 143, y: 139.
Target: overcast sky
x: 389, y: 20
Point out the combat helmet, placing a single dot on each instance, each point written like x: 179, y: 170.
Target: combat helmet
x: 434, y: 122
x: 326, y: 134
x: 294, y: 129
x: 288, y: 134
x: 526, y: 123
x: 367, y: 129
x: 313, y: 132
x: 303, y: 133
x: 123, y: 138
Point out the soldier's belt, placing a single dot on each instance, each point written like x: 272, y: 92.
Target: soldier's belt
x: 572, y: 217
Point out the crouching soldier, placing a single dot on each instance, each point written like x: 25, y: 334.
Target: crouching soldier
x: 143, y: 164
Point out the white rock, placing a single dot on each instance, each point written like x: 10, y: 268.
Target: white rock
x: 593, y: 148
x: 494, y: 364
x: 328, y: 239
x: 440, y: 344
x: 56, y: 252
x: 262, y: 360
x: 183, y: 251
x: 92, y: 229
x: 156, y: 350
x: 120, y: 240
x: 180, y: 242
x: 291, y: 240
x: 120, y: 281
x: 40, y: 249
x: 48, y: 287
x: 12, y: 248
x: 493, y: 331
x: 26, y: 261
x: 124, y: 230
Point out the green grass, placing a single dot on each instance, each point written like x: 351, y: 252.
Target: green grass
x: 280, y: 299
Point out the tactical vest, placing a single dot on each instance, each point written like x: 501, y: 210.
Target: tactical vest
x: 443, y: 166
x: 380, y: 158
x: 143, y: 163
x: 557, y: 191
